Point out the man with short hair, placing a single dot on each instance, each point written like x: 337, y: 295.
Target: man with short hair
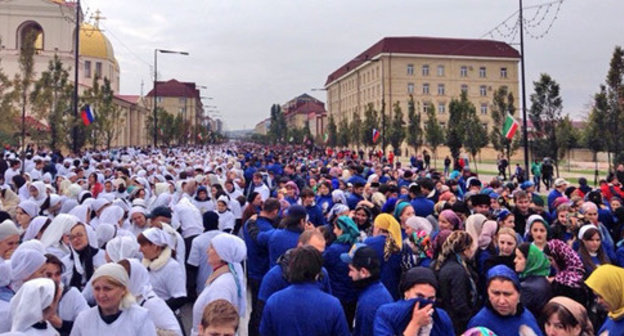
x: 356, y: 195
x: 259, y: 186
x: 315, y: 214
x: 415, y: 314
x: 560, y: 186
x: 364, y: 270
x: 521, y: 210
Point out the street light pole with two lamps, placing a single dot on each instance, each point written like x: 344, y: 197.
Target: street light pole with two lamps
x: 163, y: 51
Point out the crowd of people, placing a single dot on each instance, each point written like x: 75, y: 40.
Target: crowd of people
x: 274, y: 240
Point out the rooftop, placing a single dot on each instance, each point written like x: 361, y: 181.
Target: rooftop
x: 174, y: 88
x: 428, y: 46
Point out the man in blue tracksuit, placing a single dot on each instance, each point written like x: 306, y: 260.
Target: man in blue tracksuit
x: 364, y: 270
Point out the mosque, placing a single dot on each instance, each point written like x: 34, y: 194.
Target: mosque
x: 53, y: 22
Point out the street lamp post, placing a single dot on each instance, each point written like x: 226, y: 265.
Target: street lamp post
x: 163, y: 51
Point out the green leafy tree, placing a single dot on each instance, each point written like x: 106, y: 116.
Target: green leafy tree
x: 615, y: 103
x: 51, y: 100
x: 108, y: 122
x: 278, y: 128
x: 356, y: 130
x: 8, y: 112
x: 456, y: 130
x: 503, y: 104
x: 344, y: 137
x: 475, y: 133
x: 396, y: 133
x: 332, y: 132
x: 371, y: 122
x: 307, y: 134
x: 567, y: 138
x: 414, y: 130
x: 25, y: 78
x: 434, y: 133
x: 545, y: 114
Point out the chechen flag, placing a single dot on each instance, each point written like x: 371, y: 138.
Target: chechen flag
x: 376, y: 135
x: 510, y: 127
x: 87, y: 115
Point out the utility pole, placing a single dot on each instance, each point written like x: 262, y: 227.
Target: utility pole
x: 76, y: 67
x: 525, y: 133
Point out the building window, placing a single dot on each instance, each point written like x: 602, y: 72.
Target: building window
x: 440, y: 70
x: 483, y: 90
x: 464, y: 88
x: 98, y: 69
x: 426, y: 88
x: 442, y: 124
x: 425, y: 70
x: 159, y: 100
x: 504, y: 87
x: 440, y: 89
x: 426, y: 107
x: 183, y: 100
x: 441, y: 108
x: 463, y: 71
x: 484, y: 109
x: 410, y: 88
x: 503, y: 72
x: 482, y: 72
x: 410, y: 69
x: 87, y: 69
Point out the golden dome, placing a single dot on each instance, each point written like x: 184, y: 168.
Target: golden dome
x: 94, y: 44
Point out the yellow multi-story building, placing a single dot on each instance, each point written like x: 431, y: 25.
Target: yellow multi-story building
x: 178, y: 98
x: 432, y: 70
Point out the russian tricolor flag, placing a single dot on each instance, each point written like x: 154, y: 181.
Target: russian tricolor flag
x: 376, y: 135
x: 87, y: 115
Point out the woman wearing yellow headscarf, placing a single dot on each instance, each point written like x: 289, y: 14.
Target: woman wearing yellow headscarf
x: 607, y: 282
x: 388, y: 243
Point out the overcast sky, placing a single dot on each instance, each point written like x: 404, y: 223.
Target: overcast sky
x: 251, y: 54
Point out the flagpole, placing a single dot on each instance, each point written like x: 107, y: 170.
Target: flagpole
x: 525, y: 134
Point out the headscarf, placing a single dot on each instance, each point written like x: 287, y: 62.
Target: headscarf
x: 479, y: 331
x: 474, y: 226
x: 608, y: 282
x: 105, y: 232
x: 233, y: 251
x: 398, y: 210
x: 122, y: 247
x: 119, y: 274
x: 25, y: 262
x: 338, y: 196
x: 8, y: 228
x: 157, y: 237
x: 29, y: 207
x: 570, y: 266
x: 394, y: 242
x: 60, y: 225
x: 34, y: 227
x: 418, y: 223
x: 502, y: 271
x: 140, y: 284
x: 578, y: 312
x: 537, y: 264
x: 41, y: 191
x: 350, y: 231
x: 487, y: 234
x: 452, y: 218
x: 5, y: 273
x: 80, y: 212
x: 29, y: 302
x: 112, y: 215
x: 532, y: 220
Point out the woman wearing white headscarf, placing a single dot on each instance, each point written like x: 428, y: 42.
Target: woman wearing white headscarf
x: 9, y: 239
x: 116, y: 312
x: 36, y: 228
x: 140, y: 286
x: 122, y: 247
x: 32, y: 305
x: 38, y: 192
x: 166, y: 275
x: 227, y: 280
x: 84, y: 258
x: 138, y: 220
x: 24, y: 213
x: 55, y: 238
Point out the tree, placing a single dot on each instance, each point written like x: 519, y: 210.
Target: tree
x: 396, y: 133
x: 278, y: 129
x: 166, y: 134
x: 414, y: 131
x: 615, y: 103
x: 476, y: 134
x: 8, y: 113
x: 545, y: 114
x: 51, y: 100
x: 356, y: 130
x: 455, y: 130
x: 567, y: 138
x: 343, y: 133
x: 594, y: 136
x: 502, y: 104
x: 371, y: 122
x: 25, y: 78
x: 434, y: 133
x: 332, y: 132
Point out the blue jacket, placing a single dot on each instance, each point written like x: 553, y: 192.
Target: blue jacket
x: 278, y: 241
x: 341, y: 283
x: 324, y: 202
x: 390, y: 269
x: 423, y: 207
x: 552, y: 196
x: 356, y: 178
x: 257, y: 255
x: 369, y: 300
x: 316, y: 215
x: 353, y: 200
x: 274, y: 281
x: 392, y: 319
x: 504, y: 325
x: 615, y: 328
x: 303, y: 310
